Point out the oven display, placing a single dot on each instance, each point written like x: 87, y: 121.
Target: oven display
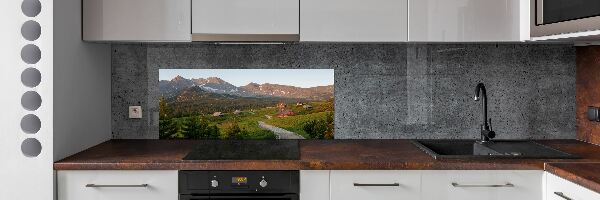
x: 239, y: 181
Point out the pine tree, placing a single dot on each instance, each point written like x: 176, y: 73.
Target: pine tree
x: 163, y: 110
x: 166, y: 128
x: 330, y: 127
x: 198, y: 128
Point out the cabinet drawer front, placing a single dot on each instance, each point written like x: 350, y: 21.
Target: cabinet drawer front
x: 377, y: 185
x: 560, y: 189
x: 482, y: 185
x: 117, y: 185
x: 245, y: 16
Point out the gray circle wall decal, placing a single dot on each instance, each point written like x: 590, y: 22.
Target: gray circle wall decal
x: 31, y: 8
x: 31, y: 77
x: 31, y: 147
x: 31, y: 100
x: 31, y: 54
x: 31, y: 30
x: 31, y: 124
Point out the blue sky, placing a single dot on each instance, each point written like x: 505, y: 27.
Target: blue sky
x: 239, y: 77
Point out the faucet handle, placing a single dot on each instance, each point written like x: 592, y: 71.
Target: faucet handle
x: 491, y: 134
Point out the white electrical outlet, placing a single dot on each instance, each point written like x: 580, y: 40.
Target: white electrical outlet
x: 135, y: 112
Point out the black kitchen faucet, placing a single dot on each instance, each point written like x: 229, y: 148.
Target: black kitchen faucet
x: 486, y: 128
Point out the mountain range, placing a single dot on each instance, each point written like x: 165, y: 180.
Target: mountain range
x: 182, y: 89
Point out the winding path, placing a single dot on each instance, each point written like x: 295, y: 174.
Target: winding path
x: 281, y: 133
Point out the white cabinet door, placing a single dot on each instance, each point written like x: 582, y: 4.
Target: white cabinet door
x: 560, y: 189
x: 117, y: 185
x: 136, y: 20
x: 245, y: 17
x: 314, y: 185
x: 353, y: 20
x: 468, y: 20
x: 375, y: 185
x: 482, y: 185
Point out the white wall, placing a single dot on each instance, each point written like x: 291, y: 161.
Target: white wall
x: 21, y: 177
x: 82, y: 75
x: 75, y: 77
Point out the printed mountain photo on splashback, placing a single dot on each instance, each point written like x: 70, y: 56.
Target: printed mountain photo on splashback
x: 241, y: 104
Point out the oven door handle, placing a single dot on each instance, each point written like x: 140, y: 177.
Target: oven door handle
x: 245, y: 196
x: 192, y: 197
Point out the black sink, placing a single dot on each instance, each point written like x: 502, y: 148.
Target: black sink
x: 471, y: 149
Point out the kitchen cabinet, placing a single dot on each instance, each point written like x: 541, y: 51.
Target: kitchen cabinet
x: 314, y: 185
x: 436, y: 184
x: 117, y: 185
x: 245, y: 20
x: 137, y: 20
x: 468, y: 20
x: 375, y: 184
x: 307, y: 20
x: 353, y: 20
x: 481, y: 185
x: 560, y: 189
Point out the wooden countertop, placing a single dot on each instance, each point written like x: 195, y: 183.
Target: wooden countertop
x: 584, y: 174
x: 331, y: 155
x: 314, y: 154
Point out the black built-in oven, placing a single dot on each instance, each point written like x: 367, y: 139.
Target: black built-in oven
x: 234, y: 185
x: 553, y: 17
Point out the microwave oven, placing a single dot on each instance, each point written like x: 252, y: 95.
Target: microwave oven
x: 556, y: 17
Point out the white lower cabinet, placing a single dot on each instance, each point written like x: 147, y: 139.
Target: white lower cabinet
x: 482, y: 185
x: 560, y: 189
x: 435, y: 185
x: 375, y: 185
x: 341, y: 185
x: 314, y: 184
x: 117, y: 185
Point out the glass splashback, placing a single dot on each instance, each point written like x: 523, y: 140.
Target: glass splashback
x: 240, y: 104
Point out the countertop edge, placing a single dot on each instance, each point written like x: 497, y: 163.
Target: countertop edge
x: 267, y: 165
x: 573, y: 177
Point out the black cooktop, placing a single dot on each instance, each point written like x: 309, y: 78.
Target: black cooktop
x: 245, y: 150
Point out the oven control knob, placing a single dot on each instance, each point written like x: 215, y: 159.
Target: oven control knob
x: 263, y: 183
x: 214, y: 183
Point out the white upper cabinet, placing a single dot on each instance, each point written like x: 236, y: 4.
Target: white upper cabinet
x: 353, y: 20
x: 307, y: 20
x: 468, y: 20
x: 136, y: 20
x: 245, y: 20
